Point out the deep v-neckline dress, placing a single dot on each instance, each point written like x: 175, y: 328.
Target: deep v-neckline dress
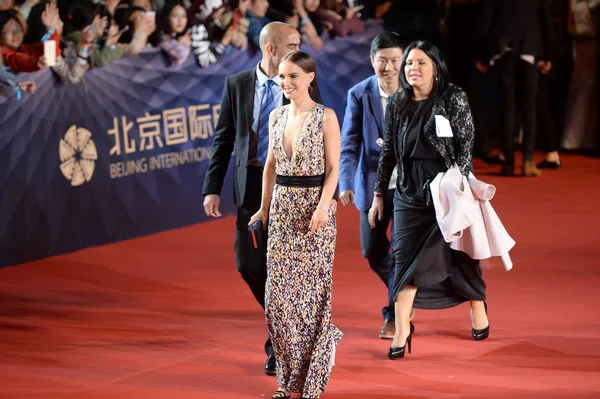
x: 300, y: 264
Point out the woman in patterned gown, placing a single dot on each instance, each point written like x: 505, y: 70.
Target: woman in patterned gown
x: 299, y: 181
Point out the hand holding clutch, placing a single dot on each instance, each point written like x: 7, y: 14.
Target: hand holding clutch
x: 259, y: 216
x: 256, y: 228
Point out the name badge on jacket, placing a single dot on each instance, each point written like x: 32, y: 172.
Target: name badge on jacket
x: 442, y: 127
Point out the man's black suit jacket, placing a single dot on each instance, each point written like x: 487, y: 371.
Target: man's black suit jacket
x: 233, y: 133
x: 523, y: 25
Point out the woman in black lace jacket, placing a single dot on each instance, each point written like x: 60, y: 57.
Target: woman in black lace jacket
x: 429, y: 274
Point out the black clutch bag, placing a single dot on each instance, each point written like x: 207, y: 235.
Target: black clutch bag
x: 256, y: 232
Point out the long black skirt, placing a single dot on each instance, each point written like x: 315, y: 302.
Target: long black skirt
x: 444, y: 277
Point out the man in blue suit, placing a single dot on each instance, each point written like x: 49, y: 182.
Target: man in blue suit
x: 362, y: 135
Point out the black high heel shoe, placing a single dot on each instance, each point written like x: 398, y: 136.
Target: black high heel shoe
x: 480, y: 335
x: 398, y: 353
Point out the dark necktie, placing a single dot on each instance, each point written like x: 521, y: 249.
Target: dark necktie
x: 267, y: 104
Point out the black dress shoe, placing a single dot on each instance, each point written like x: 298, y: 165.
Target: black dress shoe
x: 548, y: 164
x: 270, y: 365
x: 494, y: 159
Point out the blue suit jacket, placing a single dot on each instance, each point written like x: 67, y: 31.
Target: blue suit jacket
x: 363, y: 125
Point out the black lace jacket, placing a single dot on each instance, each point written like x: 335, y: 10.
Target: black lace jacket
x: 454, y: 106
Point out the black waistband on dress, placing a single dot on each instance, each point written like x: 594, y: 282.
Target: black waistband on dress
x: 300, y: 181
x: 303, y: 181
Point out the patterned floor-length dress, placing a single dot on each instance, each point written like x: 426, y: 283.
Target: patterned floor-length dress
x: 300, y: 265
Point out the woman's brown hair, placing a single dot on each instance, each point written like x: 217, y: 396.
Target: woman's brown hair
x: 306, y: 63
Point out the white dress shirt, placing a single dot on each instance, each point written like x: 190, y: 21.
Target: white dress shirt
x: 261, y: 78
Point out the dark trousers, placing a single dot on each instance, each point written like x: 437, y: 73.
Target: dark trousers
x: 518, y: 78
x: 466, y: 76
x: 546, y: 125
x: 559, y: 82
x: 252, y: 262
x: 461, y: 61
x: 376, y: 249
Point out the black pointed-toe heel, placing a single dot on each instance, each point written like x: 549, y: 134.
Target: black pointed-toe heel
x: 398, y: 353
x: 480, y: 335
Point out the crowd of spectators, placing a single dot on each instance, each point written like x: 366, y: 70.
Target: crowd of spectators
x: 72, y: 36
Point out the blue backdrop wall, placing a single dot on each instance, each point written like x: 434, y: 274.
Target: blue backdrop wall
x: 123, y: 153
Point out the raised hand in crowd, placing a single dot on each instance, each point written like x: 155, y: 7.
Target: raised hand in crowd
x: 137, y: 37
x: 144, y: 25
x: 51, y: 18
x: 217, y: 14
x: 336, y: 17
x: 316, y: 42
x: 351, y: 12
x: 228, y: 36
x: 102, y: 24
x: 88, y: 37
x: 240, y: 40
x: 306, y: 26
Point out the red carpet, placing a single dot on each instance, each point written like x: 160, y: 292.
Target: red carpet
x: 168, y: 316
